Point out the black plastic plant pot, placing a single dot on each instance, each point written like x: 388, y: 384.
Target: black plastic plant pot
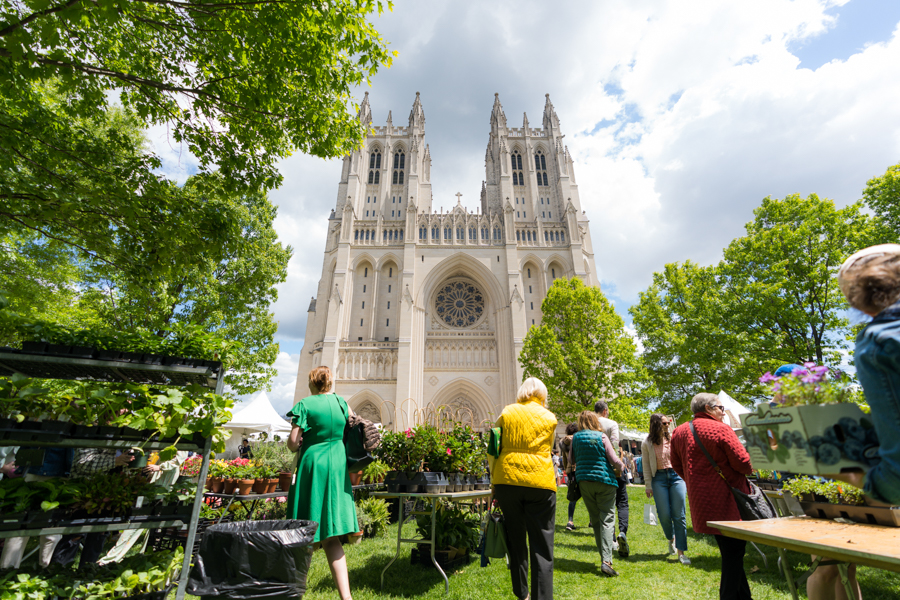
x: 139, y: 462
x: 8, y: 424
x: 131, y: 356
x: 12, y: 521
x: 58, y: 349
x: 34, y: 347
x: 178, y: 361
x: 8, y: 350
x: 152, y: 359
x: 108, y: 355
x: 394, y: 481
x: 82, y: 352
x: 84, y: 431
x: 106, y: 432
x: 60, y: 427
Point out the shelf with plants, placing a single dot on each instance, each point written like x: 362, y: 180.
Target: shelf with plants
x: 123, y: 390
x: 428, y: 459
x: 836, y: 500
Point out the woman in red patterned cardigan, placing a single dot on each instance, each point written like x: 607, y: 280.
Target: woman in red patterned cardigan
x: 709, y: 496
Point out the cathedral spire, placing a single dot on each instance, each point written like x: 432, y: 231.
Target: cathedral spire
x: 365, y: 111
x: 551, y: 121
x: 498, y: 117
x: 417, y: 115
x: 525, y: 123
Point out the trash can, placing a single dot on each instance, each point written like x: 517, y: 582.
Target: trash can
x: 254, y: 559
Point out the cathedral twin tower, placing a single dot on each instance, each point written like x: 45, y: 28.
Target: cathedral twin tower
x: 418, y: 310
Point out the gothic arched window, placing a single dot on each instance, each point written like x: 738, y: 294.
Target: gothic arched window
x: 399, y: 166
x: 518, y: 174
x: 377, y: 174
x: 374, y: 165
x: 540, y: 165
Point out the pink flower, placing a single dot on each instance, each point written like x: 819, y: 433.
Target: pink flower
x: 449, y: 452
x: 809, y: 365
x: 409, y: 433
x: 767, y: 377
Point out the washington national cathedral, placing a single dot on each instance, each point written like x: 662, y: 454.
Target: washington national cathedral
x: 418, y: 309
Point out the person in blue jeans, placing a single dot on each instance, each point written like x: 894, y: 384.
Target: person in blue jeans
x: 663, y: 484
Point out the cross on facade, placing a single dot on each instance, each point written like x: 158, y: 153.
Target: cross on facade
x: 458, y: 198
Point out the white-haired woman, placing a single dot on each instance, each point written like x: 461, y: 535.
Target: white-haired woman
x: 524, y: 484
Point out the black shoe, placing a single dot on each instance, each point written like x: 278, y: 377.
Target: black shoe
x: 570, y: 526
x: 624, y: 551
x: 607, y: 570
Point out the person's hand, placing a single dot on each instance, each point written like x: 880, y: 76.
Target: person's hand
x: 124, y: 459
x: 151, y: 469
x: 8, y: 469
x: 649, y: 493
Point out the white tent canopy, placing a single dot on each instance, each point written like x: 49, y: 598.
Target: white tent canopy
x: 257, y: 417
x: 733, y: 410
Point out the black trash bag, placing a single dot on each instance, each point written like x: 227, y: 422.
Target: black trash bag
x: 254, y: 559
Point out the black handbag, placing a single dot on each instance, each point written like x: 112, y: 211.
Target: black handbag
x: 358, y: 458
x: 753, y: 506
x: 573, y: 494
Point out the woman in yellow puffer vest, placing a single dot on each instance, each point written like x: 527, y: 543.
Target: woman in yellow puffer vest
x: 524, y: 484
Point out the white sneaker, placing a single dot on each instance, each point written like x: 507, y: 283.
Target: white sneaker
x: 616, y: 546
x: 672, y: 549
x: 684, y: 560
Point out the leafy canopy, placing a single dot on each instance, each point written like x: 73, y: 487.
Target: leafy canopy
x: 582, y: 353
x: 882, y: 194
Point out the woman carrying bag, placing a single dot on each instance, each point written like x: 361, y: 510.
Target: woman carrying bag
x: 524, y: 484
x: 321, y: 490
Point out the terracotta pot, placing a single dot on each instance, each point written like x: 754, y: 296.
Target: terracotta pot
x: 209, y: 481
x: 244, y: 486
x: 355, y: 478
x: 354, y: 538
x: 271, y: 485
x: 230, y: 484
x: 259, y: 486
x: 218, y: 484
x: 284, y: 481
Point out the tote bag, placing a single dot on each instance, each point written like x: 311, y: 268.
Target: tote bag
x: 650, y: 516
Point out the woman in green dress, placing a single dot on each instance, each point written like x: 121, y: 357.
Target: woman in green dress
x: 320, y: 490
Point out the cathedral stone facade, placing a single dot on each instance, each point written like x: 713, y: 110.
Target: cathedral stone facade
x: 418, y: 310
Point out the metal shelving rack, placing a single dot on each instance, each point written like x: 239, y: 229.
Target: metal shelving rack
x: 42, y: 366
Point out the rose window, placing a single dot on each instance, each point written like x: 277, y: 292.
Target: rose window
x: 459, y: 304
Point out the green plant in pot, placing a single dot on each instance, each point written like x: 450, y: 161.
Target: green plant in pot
x: 373, y: 516
x: 456, y: 529
x: 375, y: 471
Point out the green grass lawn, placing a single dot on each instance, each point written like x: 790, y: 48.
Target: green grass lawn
x: 647, y: 574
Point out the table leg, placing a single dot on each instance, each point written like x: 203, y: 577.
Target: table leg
x: 845, y: 579
x: 225, y: 512
x: 399, y: 537
x: 433, y: 560
x: 788, y: 572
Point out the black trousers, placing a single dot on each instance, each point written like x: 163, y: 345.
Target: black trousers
x: 733, y: 585
x: 529, y: 512
x: 622, y: 504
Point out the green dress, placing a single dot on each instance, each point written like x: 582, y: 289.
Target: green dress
x: 321, y: 489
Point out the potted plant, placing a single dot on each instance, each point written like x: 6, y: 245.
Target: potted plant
x: 373, y: 516
x: 245, y: 478
x: 812, y: 426
x: 457, y: 531
x: 375, y: 472
x: 261, y: 479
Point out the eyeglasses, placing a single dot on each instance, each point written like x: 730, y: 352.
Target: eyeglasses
x: 719, y: 406
x: 664, y: 422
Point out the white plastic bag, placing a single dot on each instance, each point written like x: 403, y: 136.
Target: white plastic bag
x: 650, y: 517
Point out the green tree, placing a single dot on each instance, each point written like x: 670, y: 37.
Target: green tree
x: 689, y: 343
x: 779, y: 281
x: 242, y: 85
x: 582, y: 353
x: 882, y: 194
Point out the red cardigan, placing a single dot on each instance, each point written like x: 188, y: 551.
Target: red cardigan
x: 710, y: 498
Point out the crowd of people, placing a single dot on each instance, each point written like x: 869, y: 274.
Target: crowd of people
x: 677, y: 466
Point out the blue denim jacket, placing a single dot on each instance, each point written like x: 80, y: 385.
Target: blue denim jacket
x: 57, y: 463
x: 877, y: 361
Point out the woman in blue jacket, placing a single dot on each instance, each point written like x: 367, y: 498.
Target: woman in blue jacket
x: 596, y: 468
x: 870, y: 279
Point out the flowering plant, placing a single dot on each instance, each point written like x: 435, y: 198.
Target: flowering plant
x: 810, y: 384
x: 191, y: 466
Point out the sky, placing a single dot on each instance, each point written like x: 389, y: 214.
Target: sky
x: 681, y: 117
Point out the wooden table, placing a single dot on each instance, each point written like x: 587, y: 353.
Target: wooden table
x: 872, y: 545
x: 452, y: 496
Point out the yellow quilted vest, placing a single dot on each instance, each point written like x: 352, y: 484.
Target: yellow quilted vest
x: 527, y: 436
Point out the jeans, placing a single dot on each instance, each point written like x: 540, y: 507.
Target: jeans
x: 572, y: 504
x: 529, y: 512
x: 733, y: 585
x: 622, y: 505
x: 600, y: 500
x: 669, y: 491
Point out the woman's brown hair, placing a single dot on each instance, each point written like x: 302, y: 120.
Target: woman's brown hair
x: 588, y: 420
x: 321, y: 378
x: 658, y: 431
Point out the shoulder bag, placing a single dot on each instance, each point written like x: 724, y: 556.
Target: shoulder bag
x: 573, y: 493
x: 493, y: 540
x: 355, y: 444
x: 753, y: 506
x: 494, y: 442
